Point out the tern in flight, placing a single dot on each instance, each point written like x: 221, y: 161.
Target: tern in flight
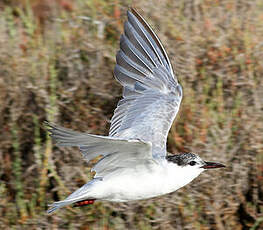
x: 135, y: 164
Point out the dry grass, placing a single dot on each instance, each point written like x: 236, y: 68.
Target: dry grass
x: 58, y: 66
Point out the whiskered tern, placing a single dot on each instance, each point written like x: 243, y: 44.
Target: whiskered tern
x: 135, y: 164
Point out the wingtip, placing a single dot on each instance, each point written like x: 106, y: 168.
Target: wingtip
x: 49, y: 125
x: 133, y: 14
x: 133, y: 11
x: 45, y: 123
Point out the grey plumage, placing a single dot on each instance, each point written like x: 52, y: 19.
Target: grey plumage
x: 152, y: 94
x: 116, y: 152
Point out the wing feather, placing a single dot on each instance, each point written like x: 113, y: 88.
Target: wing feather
x: 117, y: 153
x: 142, y: 27
x: 152, y: 94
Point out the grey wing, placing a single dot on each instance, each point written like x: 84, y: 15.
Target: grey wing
x: 117, y: 153
x: 151, y: 94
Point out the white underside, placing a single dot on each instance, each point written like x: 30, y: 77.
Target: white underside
x: 142, y: 182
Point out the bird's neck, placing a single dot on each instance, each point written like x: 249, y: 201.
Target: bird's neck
x: 178, y: 176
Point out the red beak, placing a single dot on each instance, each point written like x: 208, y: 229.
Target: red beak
x: 212, y: 165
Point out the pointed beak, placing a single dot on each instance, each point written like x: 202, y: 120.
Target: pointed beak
x: 212, y: 165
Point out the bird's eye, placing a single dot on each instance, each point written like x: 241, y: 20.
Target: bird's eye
x: 192, y: 163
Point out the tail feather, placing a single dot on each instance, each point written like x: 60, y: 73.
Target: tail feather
x: 67, y: 201
x: 83, y: 193
x: 57, y: 205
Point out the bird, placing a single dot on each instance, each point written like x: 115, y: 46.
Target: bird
x: 134, y: 163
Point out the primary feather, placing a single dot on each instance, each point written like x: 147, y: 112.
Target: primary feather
x: 152, y: 94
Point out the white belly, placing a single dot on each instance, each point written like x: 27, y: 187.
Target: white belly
x: 140, y: 183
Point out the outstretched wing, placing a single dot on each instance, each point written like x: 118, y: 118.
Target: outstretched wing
x: 151, y: 94
x: 117, y: 153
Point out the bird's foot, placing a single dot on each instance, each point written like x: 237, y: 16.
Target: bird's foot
x: 83, y: 203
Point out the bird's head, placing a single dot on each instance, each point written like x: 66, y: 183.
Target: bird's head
x: 187, y: 166
x: 192, y: 161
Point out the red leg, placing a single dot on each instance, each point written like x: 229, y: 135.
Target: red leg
x: 84, y: 203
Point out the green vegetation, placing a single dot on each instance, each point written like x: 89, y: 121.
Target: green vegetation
x: 56, y: 64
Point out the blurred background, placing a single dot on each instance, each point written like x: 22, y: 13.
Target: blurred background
x: 56, y: 64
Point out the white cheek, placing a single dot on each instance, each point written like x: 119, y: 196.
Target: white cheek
x: 199, y: 170
x: 178, y: 177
